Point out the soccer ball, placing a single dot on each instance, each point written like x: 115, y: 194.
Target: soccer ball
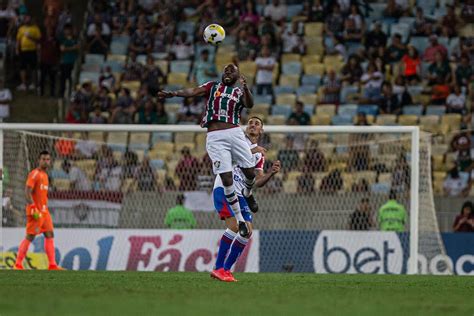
x: 214, y: 34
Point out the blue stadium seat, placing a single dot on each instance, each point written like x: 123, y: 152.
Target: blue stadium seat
x: 435, y: 110
x: 292, y: 68
x: 311, y: 80
x: 118, y: 48
x: 186, y: 26
x: 348, y: 110
x: 377, y: 10
x: 293, y: 10
x: 180, y: 66
x: 306, y: 89
x: 420, y: 43
x: 262, y: 98
x: 175, y: 100
x: 91, y: 67
x: 283, y: 89
x: 368, y: 109
x: 157, y: 164
x: 407, y: 20
x: 58, y: 174
x: 402, y: 29
x: 413, y: 110
x: 138, y: 146
x: 415, y: 90
x: 115, y: 66
x: 92, y: 76
x: 97, y: 59
x: 341, y: 120
x: 281, y: 109
x: 161, y: 137
x: 309, y: 108
x: 352, y: 48
x: 347, y: 90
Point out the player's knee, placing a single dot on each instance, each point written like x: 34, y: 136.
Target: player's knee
x: 226, y: 178
x: 249, y: 172
x: 30, y: 237
x: 49, y: 234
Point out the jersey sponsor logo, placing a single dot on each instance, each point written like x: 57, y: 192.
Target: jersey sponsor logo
x: 225, y: 95
x: 44, y: 187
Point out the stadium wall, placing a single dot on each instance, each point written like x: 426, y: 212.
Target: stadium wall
x: 269, y: 251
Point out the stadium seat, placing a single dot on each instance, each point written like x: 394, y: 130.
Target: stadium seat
x: 435, y: 110
x: 308, y: 99
x: 439, y: 149
x: 260, y: 109
x: 311, y: 59
x: 139, y: 140
x: 283, y: 90
x: 386, y: 119
x: 91, y: 67
x: 368, y: 109
x: 131, y: 85
x: 89, y: 76
x: 276, y: 120
x: 163, y: 64
x: 348, y: 110
x: 290, y: 80
x: 309, y: 108
x: 98, y: 137
x: 415, y: 90
x: 282, y: 109
x: 287, y: 98
x: 311, y: 80
x: 161, y: 137
x: 186, y: 26
x: 341, y: 120
x: 290, y: 186
x: 314, y: 69
x: 408, y: 120
x: 413, y: 110
x: 248, y: 68
x: 306, y: 89
x: 314, y: 45
x: 178, y: 79
x: 262, y: 98
x: 180, y: 66
x: 291, y: 68
x: 157, y: 164
x: 429, y: 123
x: 321, y: 119
x: 402, y: 29
x: 346, y: 91
x: 180, y: 146
x: 57, y: 173
x: 293, y: 10
x: 184, y: 137
x: 450, y: 122
x: 328, y: 109
x: 117, y: 138
x: 313, y: 29
x: 61, y: 184
x: 289, y: 57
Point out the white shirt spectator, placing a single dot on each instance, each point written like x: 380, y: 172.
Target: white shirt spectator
x: 455, y: 101
x: 455, y: 186
x: 264, y: 76
x: 8, y: 13
x: 105, y: 29
x: 276, y: 13
x: 357, y: 20
x: 86, y: 148
x: 372, y: 81
x: 290, y: 41
x: 182, y: 50
x: 5, y: 96
x: 111, y: 177
x: 79, y: 178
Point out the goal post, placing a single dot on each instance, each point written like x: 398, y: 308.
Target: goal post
x: 295, y: 209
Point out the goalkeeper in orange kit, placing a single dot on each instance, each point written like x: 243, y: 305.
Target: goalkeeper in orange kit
x: 38, y: 219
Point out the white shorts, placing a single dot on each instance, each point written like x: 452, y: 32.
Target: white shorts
x: 227, y: 147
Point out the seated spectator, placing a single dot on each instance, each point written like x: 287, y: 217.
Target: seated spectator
x: 455, y: 184
x: 456, y: 101
x: 244, y: 48
x: 141, y: 41
x: 351, y: 33
x: 122, y: 19
x: 314, y: 160
x: 249, y: 14
x: 76, y: 113
x: 129, y: 164
x: 392, y: 10
x: 334, y: 23
x: 289, y: 156
x: 292, y: 41
x: 331, y: 88
x: 356, y: 17
x: 110, y: 175
x: 396, y: 50
x: 124, y: 108
x: 439, y: 70
x: 375, y: 38
x: 84, y: 97
x: 410, y: 65
x: 133, y: 69
x: 332, y: 183
x: 86, y: 148
x: 179, y: 217
x: 182, y: 48
x: 204, y: 69
x: 464, y: 222
x: 389, y: 103
x: 160, y: 39
x: 152, y: 75
x: 305, y: 182
x: 98, y: 23
x: 97, y: 42
x: 430, y: 52
x: 372, y: 81
x: 145, y: 177
x: 276, y: 11
x: 462, y: 140
x: 361, y: 186
x: 440, y: 92
x: 265, y: 65
x: 359, y: 149
x: 422, y: 26
x: 465, y: 160
x: 400, y: 90
x: 464, y: 48
x: 401, y: 175
x: 351, y: 71
x: 191, y: 110
x: 107, y: 78
x: 467, y: 11
x: 77, y: 177
x: 464, y: 74
x: 392, y: 216
x: 361, y: 219
x: 337, y: 47
x: 449, y: 23
x: 147, y: 113
x: 299, y: 115
x: 161, y: 114
x: 313, y: 11
x: 97, y: 117
x: 187, y: 171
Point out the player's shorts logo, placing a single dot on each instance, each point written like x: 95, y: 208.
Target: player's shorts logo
x: 217, y: 164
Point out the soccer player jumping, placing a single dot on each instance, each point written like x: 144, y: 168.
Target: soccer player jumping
x: 38, y: 219
x: 226, y: 141
x: 230, y: 240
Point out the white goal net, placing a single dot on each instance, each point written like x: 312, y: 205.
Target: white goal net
x: 111, y: 189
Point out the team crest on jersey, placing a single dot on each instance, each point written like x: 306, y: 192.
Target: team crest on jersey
x: 217, y: 164
x: 217, y: 94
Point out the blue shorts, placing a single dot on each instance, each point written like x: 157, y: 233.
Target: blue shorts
x: 223, y: 208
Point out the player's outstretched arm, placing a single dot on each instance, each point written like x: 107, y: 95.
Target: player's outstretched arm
x: 248, y: 98
x: 185, y: 93
x: 262, y: 178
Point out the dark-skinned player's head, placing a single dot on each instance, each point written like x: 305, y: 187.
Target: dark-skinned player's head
x: 254, y: 127
x: 44, y: 160
x: 230, y: 75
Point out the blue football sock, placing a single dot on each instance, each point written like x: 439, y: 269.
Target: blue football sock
x: 235, y: 250
x: 224, y: 245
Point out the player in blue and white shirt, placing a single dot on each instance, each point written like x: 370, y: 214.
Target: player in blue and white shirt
x: 231, y: 239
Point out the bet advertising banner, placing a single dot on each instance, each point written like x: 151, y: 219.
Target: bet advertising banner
x: 269, y: 251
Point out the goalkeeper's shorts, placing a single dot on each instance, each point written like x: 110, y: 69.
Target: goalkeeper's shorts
x: 40, y: 225
x: 223, y: 208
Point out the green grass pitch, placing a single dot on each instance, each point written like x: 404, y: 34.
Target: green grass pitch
x: 153, y: 293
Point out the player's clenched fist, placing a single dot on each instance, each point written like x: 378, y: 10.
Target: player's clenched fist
x: 276, y: 166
